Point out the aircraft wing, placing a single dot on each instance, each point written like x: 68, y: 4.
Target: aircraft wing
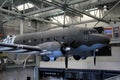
x: 21, y: 49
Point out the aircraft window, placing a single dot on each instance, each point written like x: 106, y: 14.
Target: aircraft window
x: 35, y: 40
x: 55, y: 38
x: 29, y: 41
x: 95, y: 31
x: 63, y: 37
x: 92, y: 31
x: 24, y: 41
x: 42, y: 39
x: 48, y: 39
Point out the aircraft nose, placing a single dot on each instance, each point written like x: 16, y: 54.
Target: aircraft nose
x: 106, y: 39
x: 99, y: 38
x: 103, y: 39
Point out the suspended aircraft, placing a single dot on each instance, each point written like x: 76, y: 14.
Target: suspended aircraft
x: 78, y: 42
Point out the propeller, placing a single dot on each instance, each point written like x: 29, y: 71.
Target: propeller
x: 65, y: 48
x: 94, y: 54
x: 65, y: 51
x: 66, y: 60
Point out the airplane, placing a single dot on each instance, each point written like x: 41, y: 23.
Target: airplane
x: 78, y: 42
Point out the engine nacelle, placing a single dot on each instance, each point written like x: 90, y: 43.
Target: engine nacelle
x: 47, y: 58
x: 76, y: 57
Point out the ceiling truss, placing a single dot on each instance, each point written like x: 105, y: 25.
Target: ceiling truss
x: 71, y: 6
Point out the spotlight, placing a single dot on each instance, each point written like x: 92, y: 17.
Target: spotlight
x: 105, y: 8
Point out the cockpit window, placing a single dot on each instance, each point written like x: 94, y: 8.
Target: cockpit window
x: 93, y: 31
x: 90, y: 31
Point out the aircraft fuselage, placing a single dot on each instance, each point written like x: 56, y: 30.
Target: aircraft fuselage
x: 81, y: 40
x: 78, y: 35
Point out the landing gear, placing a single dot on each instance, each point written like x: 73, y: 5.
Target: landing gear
x: 76, y: 57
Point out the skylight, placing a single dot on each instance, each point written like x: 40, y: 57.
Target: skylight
x: 25, y: 6
x: 49, y: 0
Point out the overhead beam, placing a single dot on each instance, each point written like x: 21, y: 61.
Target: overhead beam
x: 3, y: 3
x: 76, y: 2
x: 8, y: 11
x: 59, y: 5
x: 46, y: 14
x: 109, y: 11
x: 69, y: 24
x: 40, y: 19
x: 82, y: 22
x: 20, y: 15
x: 39, y: 11
x: 73, y: 2
x: 53, y: 8
x: 95, y: 4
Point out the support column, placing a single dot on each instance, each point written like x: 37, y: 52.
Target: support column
x: 21, y: 26
x: 37, y: 28
x: 36, y: 73
x: 36, y: 68
x: 37, y: 61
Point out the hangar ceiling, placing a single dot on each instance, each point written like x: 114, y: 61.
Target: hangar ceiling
x: 46, y: 10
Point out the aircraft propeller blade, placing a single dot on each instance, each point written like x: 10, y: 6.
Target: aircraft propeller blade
x: 65, y: 49
x: 66, y: 61
x: 94, y: 58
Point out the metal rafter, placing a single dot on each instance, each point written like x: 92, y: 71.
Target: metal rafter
x: 39, y: 11
x: 59, y: 5
x: 3, y: 3
x: 52, y: 8
x: 95, y: 3
x: 20, y: 15
x: 76, y: 2
x: 71, y: 2
x: 109, y: 11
